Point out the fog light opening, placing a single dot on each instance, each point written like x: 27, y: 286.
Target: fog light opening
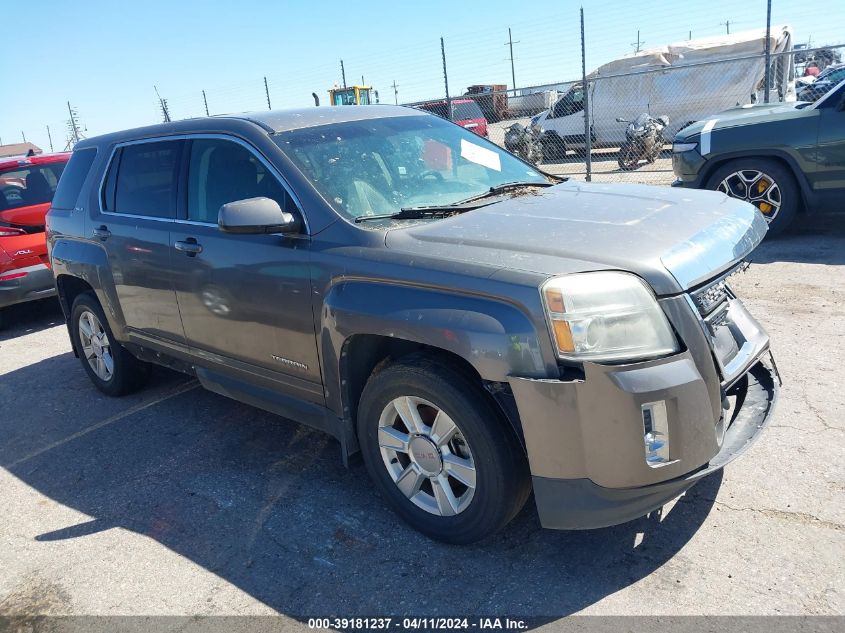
x: 656, y: 434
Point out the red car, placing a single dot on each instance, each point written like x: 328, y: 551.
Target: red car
x: 27, y: 185
x: 465, y: 112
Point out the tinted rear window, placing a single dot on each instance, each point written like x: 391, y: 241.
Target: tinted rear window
x: 142, y: 179
x: 463, y: 111
x: 27, y: 185
x: 73, y: 177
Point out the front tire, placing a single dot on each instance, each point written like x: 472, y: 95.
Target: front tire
x: 109, y: 365
x: 439, y: 451
x: 763, y: 182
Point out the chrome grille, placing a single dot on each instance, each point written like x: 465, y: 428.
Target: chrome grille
x: 715, y: 292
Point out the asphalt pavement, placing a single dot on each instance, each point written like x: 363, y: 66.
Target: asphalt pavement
x: 177, y: 501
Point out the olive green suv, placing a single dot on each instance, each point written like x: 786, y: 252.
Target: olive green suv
x: 783, y: 158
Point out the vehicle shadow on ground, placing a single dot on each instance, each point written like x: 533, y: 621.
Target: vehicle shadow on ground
x: 267, y: 505
x: 812, y: 239
x: 28, y: 318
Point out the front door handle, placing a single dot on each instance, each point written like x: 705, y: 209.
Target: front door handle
x: 101, y: 233
x: 189, y: 246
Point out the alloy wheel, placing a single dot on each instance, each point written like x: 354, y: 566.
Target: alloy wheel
x: 427, y: 456
x: 96, y: 346
x: 755, y: 187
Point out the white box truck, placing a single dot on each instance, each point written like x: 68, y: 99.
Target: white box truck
x: 681, y: 81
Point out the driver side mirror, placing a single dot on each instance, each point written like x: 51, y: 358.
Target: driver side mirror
x: 256, y: 215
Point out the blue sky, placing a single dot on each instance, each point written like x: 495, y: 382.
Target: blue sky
x: 106, y: 56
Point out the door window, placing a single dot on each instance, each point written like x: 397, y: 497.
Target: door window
x: 570, y: 103
x: 223, y: 171
x: 73, y: 177
x: 143, y: 178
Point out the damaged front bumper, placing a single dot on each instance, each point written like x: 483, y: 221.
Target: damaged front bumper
x: 583, y: 504
x: 585, y: 439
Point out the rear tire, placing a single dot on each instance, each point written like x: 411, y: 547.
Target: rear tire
x: 765, y: 183
x: 552, y: 148
x: 628, y: 159
x: 109, y: 365
x: 479, y: 460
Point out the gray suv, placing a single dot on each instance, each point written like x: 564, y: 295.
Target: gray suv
x: 472, y: 327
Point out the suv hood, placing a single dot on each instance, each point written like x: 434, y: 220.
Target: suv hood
x: 674, y: 239
x: 745, y: 115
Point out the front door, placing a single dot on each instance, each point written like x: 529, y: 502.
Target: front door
x: 138, y: 212
x: 829, y: 176
x: 245, y: 300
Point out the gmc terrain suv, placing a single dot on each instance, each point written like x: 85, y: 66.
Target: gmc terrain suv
x: 472, y: 328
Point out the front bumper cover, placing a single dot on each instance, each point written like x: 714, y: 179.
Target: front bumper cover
x: 582, y: 504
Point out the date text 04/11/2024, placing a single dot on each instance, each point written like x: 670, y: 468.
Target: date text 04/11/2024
x: 421, y: 623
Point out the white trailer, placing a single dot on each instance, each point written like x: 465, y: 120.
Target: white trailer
x: 680, y: 81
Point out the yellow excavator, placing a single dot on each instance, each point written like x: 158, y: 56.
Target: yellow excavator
x: 353, y: 95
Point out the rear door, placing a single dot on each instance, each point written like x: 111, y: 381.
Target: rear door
x: 136, y: 215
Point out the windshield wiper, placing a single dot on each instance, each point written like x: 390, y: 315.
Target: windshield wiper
x: 417, y: 213
x: 444, y: 210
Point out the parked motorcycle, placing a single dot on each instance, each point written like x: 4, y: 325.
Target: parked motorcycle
x: 643, y: 140
x: 524, y: 142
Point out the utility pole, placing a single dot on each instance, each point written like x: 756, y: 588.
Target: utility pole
x: 50, y: 137
x: 727, y: 25
x: 638, y: 44
x: 510, y: 44
x: 586, y: 87
x: 363, y: 83
x: 446, y: 79
x: 768, y: 78
x: 395, y: 93
x: 165, y: 113
x: 343, y: 73
x: 267, y: 92
x: 205, y: 101
x: 690, y: 35
x: 23, y: 136
x: 74, y: 127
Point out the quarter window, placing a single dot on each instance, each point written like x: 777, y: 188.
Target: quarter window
x: 143, y: 179
x: 223, y: 171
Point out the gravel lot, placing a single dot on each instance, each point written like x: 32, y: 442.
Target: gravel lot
x: 179, y: 501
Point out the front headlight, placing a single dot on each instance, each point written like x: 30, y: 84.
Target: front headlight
x: 679, y: 148
x: 606, y: 316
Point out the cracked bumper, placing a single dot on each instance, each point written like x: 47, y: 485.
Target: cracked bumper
x: 582, y: 502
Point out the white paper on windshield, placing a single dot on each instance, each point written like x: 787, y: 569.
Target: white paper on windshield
x: 480, y: 155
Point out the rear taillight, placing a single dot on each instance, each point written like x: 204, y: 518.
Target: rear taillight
x: 15, y: 275
x: 8, y: 231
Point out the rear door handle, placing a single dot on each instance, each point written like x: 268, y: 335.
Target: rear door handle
x: 189, y: 246
x: 102, y: 233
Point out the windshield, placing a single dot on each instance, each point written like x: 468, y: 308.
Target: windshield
x: 379, y: 166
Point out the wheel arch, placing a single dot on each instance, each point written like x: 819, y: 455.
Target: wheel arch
x: 364, y: 355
